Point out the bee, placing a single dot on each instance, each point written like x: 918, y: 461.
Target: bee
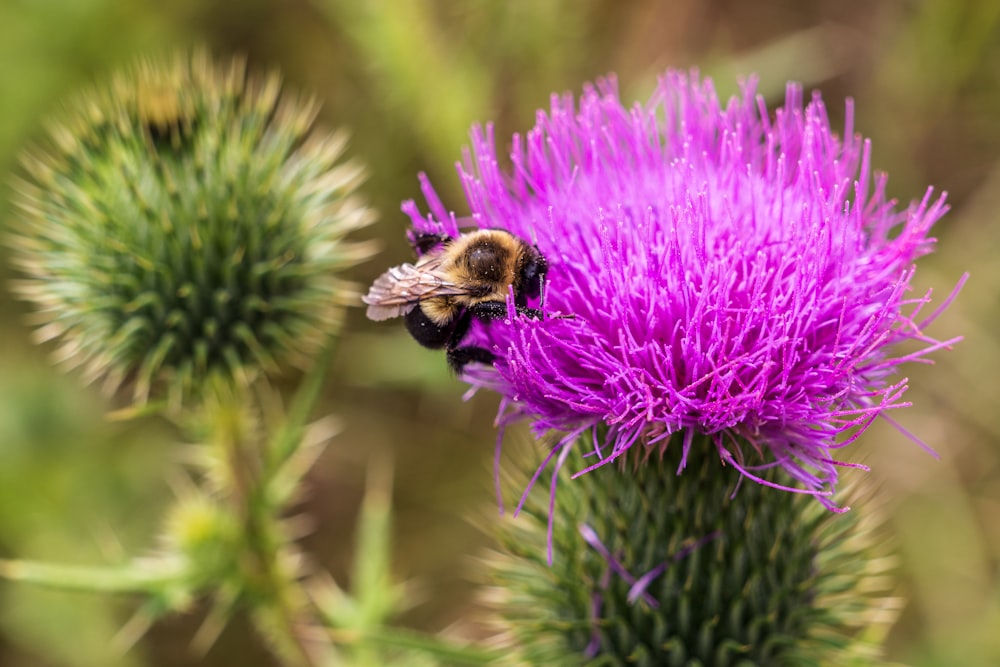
x: 454, y: 281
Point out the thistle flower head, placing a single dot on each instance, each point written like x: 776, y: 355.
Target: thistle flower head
x: 726, y: 271
x: 183, y: 222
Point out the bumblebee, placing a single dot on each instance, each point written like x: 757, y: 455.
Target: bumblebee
x: 454, y: 281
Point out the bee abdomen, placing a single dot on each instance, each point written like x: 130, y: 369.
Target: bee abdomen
x: 426, y: 331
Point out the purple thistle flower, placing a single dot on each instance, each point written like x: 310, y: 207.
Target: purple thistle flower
x: 726, y: 272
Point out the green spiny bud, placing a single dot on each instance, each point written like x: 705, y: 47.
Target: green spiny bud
x: 203, y: 533
x: 655, y: 568
x: 185, y: 221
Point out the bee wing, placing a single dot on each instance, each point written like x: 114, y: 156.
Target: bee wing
x: 398, y: 290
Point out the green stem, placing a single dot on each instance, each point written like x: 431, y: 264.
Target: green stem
x: 279, y: 603
x: 148, y: 576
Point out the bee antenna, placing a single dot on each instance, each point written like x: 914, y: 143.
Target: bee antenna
x: 542, y: 291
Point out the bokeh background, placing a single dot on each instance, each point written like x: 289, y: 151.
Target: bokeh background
x: 408, y: 78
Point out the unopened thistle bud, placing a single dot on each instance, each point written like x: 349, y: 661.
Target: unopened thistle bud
x: 656, y: 568
x: 203, y: 533
x: 186, y: 221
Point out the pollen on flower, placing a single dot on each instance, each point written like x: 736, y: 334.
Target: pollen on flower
x: 730, y: 270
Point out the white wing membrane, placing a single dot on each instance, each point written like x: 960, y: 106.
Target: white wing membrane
x: 398, y: 290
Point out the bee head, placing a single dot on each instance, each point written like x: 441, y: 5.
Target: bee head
x: 531, y: 273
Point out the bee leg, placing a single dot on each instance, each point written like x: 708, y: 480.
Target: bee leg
x: 497, y: 310
x: 458, y: 357
x: 532, y: 313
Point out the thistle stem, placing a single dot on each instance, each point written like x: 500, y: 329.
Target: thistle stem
x: 136, y: 577
x: 280, y: 606
x: 285, y: 621
x: 277, y: 599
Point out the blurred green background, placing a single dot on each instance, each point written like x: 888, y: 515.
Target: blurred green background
x: 408, y: 78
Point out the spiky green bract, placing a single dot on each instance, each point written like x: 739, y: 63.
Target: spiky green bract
x: 762, y: 577
x: 186, y: 220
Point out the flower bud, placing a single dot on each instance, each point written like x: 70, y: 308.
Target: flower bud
x: 654, y: 568
x: 185, y: 220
